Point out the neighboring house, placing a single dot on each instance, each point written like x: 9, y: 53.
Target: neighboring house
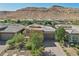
x: 47, y: 30
x: 7, y: 31
x: 73, y: 31
x: 74, y: 34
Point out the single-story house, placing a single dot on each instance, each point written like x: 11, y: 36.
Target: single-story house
x: 7, y: 31
x: 47, y: 30
x: 72, y: 30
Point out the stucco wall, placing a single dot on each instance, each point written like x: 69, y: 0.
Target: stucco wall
x: 6, y: 36
x: 48, y: 35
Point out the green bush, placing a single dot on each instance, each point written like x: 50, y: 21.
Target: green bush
x: 16, y: 41
x: 77, y: 52
x: 36, y: 39
x: 35, y: 43
x: 37, y: 52
x: 28, y: 46
x: 77, y: 46
x: 61, y: 35
x: 11, y: 44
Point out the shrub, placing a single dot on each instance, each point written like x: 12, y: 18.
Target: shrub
x: 77, y: 52
x: 77, y: 46
x: 35, y: 43
x: 28, y: 46
x: 37, y: 52
x: 61, y: 35
x: 36, y: 39
x: 16, y: 41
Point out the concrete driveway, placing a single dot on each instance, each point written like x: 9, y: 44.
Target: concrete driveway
x: 53, y: 49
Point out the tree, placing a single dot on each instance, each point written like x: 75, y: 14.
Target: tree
x: 16, y: 41
x: 47, y: 22
x: 35, y: 43
x: 60, y: 34
x: 29, y: 22
x: 37, y: 39
x: 18, y: 21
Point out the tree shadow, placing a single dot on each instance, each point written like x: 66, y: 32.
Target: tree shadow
x: 49, y: 43
x: 2, y: 42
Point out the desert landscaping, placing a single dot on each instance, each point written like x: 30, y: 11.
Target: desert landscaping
x: 40, y: 31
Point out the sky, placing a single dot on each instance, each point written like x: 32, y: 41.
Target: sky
x: 15, y: 6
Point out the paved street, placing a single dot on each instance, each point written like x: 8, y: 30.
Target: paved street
x: 53, y: 49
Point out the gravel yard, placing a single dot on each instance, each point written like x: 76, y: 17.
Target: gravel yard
x: 17, y: 53
x: 71, y: 51
x: 3, y: 48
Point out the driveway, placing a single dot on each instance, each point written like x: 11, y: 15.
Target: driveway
x: 53, y: 49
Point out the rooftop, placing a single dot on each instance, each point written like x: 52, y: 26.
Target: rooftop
x: 40, y: 27
x: 74, y: 29
x: 13, y: 28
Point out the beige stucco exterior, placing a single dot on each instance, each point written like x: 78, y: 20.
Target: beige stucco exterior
x: 48, y: 32
x: 6, y: 36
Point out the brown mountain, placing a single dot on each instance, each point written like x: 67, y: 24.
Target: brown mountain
x: 54, y: 12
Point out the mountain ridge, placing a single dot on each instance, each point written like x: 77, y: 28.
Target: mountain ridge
x: 54, y: 12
